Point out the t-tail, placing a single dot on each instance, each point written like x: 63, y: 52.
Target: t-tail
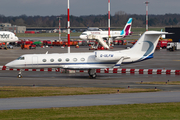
x: 142, y: 50
x: 127, y: 29
x: 146, y: 45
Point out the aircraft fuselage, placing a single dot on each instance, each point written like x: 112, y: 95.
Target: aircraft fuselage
x: 6, y: 36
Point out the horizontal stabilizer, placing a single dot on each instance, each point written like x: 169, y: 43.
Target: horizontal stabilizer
x: 156, y: 33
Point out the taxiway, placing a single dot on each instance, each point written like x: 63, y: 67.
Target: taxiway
x: 162, y: 60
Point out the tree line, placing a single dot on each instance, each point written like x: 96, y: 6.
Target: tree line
x: 117, y: 20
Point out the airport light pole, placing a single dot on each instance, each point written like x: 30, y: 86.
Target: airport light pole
x: 68, y: 26
x: 146, y: 15
x: 109, y: 18
x: 59, y: 27
x: 109, y: 22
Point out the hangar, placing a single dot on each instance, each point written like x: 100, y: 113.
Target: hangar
x: 12, y: 28
x: 176, y: 36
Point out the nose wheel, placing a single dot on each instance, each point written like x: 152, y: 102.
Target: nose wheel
x: 20, y: 74
x: 92, y: 73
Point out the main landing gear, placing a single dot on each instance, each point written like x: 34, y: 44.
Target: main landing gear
x: 20, y: 74
x: 92, y: 73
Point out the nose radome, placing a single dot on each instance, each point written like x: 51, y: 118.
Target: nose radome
x: 16, y: 38
x: 9, y: 64
x: 82, y: 37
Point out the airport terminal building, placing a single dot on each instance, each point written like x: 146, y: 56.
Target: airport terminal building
x: 14, y: 28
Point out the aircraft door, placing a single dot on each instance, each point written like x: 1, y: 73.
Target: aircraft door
x: 35, y: 61
x: 11, y: 36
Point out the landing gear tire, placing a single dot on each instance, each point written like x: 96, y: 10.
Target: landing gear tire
x: 93, y: 76
x: 19, y: 76
x: 92, y: 73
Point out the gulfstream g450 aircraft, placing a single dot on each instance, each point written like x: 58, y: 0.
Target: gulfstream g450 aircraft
x: 142, y: 50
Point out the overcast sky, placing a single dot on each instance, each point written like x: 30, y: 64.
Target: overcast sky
x: 85, y: 7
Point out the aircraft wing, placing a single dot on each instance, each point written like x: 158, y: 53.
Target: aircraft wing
x: 85, y: 68
x: 118, y: 64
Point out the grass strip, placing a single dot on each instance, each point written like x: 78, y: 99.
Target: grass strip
x: 156, y: 111
x: 8, y: 91
x: 162, y: 83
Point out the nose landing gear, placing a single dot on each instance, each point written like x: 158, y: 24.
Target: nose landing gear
x: 20, y: 74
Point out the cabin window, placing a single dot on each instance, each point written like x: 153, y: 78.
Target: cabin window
x: 44, y: 60
x: 75, y: 59
x: 67, y: 59
x: 52, y: 60
x: 59, y: 59
x: 82, y: 59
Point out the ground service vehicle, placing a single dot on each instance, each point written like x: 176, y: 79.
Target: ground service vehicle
x: 27, y: 45
x: 38, y: 43
x: 173, y: 46
x: 163, y: 44
x: 47, y: 42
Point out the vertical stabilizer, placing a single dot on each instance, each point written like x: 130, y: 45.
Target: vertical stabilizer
x: 127, y: 29
x: 146, y: 44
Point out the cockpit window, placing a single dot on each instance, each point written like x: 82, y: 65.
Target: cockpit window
x: 20, y: 58
x: 84, y: 34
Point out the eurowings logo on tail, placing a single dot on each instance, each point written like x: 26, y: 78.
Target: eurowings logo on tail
x: 127, y: 29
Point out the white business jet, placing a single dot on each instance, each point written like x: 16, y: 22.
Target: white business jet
x: 113, y: 34
x: 6, y: 36
x: 142, y: 50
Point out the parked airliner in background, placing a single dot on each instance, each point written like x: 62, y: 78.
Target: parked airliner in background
x: 142, y: 50
x: 6, y: 36
x: 113, y: 34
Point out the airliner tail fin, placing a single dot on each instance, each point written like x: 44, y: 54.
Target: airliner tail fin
x: 127, y: 29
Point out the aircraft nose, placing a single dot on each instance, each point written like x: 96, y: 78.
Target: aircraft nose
x: 82, y: 37
x: 9, y: 64
x: 17, y: 38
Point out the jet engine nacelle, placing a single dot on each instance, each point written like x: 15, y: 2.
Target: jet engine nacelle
x: 104, y: 55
